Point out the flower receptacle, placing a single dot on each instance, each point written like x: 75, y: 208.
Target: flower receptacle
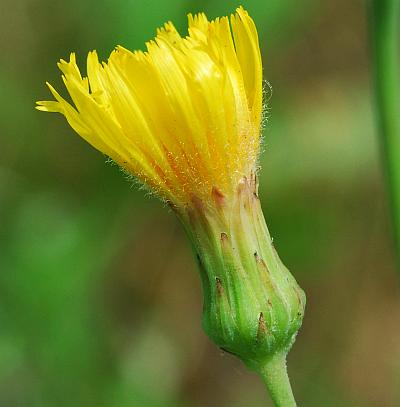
x: 253, y: 307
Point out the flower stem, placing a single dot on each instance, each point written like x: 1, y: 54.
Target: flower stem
x: 274, y: 374
x: 385, y: 30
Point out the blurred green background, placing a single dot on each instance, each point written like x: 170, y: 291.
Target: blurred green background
x: 100, y: 301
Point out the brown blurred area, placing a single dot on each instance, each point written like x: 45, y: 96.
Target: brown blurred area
x: 100, y: 302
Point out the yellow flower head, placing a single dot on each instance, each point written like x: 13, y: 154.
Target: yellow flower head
x: 184, y: 116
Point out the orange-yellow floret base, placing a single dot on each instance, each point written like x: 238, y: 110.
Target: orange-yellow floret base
x: 184, y: 116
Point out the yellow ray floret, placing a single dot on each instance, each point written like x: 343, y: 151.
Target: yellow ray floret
x: 184, y: 116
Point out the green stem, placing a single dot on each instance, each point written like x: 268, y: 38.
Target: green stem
x: 385, y: 35
x: 274, y: 374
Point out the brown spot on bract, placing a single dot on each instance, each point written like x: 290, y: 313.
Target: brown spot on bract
x: 261, y: 262
x: 262, y: 327
x: 218, y: 283
x: 218, y: 196
x: 224, y: 237
x: 197, y: 202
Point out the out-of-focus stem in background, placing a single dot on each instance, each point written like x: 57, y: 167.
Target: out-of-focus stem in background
x: 386, y: 39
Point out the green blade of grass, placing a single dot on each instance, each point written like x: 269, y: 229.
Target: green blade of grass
x: 386, y: 35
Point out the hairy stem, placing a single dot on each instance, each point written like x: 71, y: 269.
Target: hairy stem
x: 274, y: 374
